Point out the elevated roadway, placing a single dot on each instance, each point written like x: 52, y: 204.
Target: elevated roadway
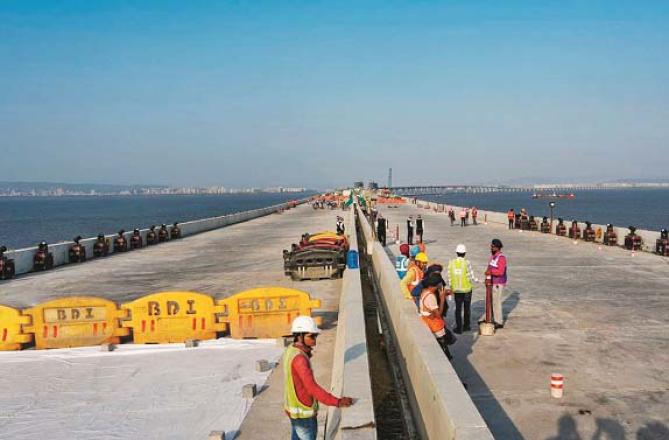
x: 597, y: 315
x: 221, y: 263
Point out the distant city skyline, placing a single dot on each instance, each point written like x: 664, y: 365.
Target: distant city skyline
x: 321, y: 94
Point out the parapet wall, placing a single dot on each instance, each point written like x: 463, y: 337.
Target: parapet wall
x: 23, y: 258
x: 649, y: 237
x: 350, y: 365
x: 440, y: 404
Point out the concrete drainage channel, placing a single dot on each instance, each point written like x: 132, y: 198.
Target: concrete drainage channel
x: 391, y: 405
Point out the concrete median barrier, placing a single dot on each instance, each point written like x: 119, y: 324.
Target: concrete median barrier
x: 350, y: 369
x: 440, y: 404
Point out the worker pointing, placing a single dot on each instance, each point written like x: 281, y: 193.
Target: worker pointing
x: 301, y: 392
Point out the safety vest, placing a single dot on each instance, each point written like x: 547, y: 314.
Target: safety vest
x: 436, y: 324
x: 401, y: 264
x: 419, y: 275
x: 458, y: 271
x: 292, y: 405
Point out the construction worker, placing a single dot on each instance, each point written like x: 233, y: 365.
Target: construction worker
x: 402, y: 261
x: 475, y: 214
x: 431, y: 313
x: 301, y: 392
x: 460, y: 282
x: 419, y: 228
x: 463, y: 217
x: 410, y: 230
x: 451, y: 215
x: 414, y: 274
x: 511, y: 216
x: 443, y: 300
x: 340, y: 225
x: 381, y: 226
x: 497, y: 267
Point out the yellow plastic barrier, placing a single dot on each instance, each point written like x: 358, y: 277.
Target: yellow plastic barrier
x: 265, y: 312
x: 76, y: 321
x: 11, y: 332
x: 173, y: 317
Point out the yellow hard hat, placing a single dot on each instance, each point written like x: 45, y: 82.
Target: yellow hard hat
x: 422, y: 257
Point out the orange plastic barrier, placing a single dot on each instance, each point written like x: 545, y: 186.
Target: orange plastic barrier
x: 76, y: 321
x: 265, y: 312
x: 173, y: 317
x: 11, y: 329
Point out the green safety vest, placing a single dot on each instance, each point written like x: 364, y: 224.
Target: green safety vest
x: 457, y: 270
x: 292, y: 405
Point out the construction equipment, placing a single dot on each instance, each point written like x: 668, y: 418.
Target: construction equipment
x: 545, y: 226
x: 318, y: 256
x: 560, y: 228
x: 120, y: 243
x: 533, y: 224
x: 588, y: 232
x: 610, y: 236
x: 43, y: 259
x: 7, y: 269
x: 662, y: 243
x: 574, y: 231
x: 633, y: 241
x: 487, y: 326
x: 100, y: 247
x: 77, y: 252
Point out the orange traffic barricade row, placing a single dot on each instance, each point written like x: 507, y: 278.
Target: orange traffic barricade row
x: 173, y: 317
x: 76, y: 321
x: 265, y: 312
x: 12, y: 336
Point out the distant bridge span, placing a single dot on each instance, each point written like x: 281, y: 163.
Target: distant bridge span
x: 428, y: 190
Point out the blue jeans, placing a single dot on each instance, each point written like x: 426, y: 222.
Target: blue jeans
x: 304, y: 429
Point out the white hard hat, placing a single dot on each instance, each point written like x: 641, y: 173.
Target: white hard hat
x: 460, y: 249
x: 304, y: 324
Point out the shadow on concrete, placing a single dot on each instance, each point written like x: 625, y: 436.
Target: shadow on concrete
x: 653, y: 430
x: 329, y: 319
x: 496, y: 418
x: 566, y: 429
x: 355, y: 352
x: 608, y: 429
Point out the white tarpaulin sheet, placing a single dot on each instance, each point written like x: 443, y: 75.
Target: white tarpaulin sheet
x: 161, y: 391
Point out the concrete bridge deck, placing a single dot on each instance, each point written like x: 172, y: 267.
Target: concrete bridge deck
x: 221, y: 263
x: 596, y: 315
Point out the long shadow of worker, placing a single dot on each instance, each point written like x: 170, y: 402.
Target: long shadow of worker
x: 608, y: 429
x: 653, y: 430
x: 496, y: 418
x: 566, y: 429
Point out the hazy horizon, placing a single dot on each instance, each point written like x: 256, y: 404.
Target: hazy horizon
x: 316, y: 94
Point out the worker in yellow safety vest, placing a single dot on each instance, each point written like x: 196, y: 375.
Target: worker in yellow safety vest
x: 301, y: 392
x: 414, y: 274
x: 460, y: 281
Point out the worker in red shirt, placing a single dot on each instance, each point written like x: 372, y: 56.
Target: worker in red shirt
x: 497, y: 267
x: 301, y: 392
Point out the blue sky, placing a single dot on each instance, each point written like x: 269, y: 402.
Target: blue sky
x: 323, y: 93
